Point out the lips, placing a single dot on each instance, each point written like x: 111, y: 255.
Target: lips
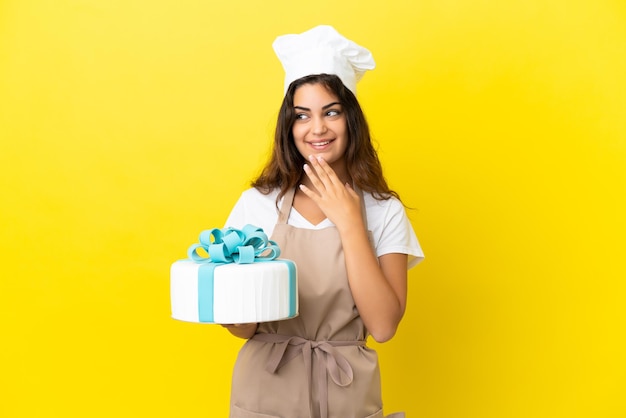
x: 320, y: 144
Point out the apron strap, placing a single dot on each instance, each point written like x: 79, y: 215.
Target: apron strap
x: 370, y: 237
x: 363, y: 212
x: 285, y: 207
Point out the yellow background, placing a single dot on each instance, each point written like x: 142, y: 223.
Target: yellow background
x: 127, y: 127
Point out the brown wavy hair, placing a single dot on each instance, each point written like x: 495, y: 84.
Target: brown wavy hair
x: 284, y: 169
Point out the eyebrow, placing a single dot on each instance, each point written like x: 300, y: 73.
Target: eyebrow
x: 323, y: 107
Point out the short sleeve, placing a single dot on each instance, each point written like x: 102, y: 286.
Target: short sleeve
x: 256, y: 209
x: 392, y: 231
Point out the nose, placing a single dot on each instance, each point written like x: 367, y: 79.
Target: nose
x: 319, y: 126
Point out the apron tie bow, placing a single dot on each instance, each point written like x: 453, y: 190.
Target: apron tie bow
x: 330, y: 362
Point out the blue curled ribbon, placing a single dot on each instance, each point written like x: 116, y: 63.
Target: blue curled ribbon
x: 230, y: 245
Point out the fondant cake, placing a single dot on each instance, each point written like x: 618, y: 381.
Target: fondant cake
x: 231, y: 277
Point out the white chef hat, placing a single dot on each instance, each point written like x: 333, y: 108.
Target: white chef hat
x: 322, y: 50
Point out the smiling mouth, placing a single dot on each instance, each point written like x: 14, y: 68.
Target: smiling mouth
x: 320, y: 143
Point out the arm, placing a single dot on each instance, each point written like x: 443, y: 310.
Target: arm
x: 379, y: 286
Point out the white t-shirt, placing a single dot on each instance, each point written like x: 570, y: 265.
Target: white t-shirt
x: 386, y: 219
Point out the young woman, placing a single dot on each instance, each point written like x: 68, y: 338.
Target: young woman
x: 323, y: 198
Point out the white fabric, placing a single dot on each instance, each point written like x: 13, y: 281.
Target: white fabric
x: 387, y: 219
x: 322, y: 50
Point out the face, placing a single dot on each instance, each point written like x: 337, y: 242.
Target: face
x: 320, y: 128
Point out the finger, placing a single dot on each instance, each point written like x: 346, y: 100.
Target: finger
x: 323, y: 170
x: 310, y: 193
x: 350, y: 190
x: 327, y: 169
x: 317, y: 183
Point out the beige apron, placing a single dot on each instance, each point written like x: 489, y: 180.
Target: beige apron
x: 317, y: 364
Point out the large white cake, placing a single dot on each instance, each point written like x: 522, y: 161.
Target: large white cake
x: 234, y: 293
x: 228, y: 288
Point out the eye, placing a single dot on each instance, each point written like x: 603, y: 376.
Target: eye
x: 301, y: 116
x: 333, y: 112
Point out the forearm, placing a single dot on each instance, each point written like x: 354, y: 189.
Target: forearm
x: 380, y: 304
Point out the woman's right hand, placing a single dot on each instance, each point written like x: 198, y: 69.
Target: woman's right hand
x: 242, y: 330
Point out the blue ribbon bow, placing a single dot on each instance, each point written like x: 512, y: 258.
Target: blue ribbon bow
x: 230, y: 245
